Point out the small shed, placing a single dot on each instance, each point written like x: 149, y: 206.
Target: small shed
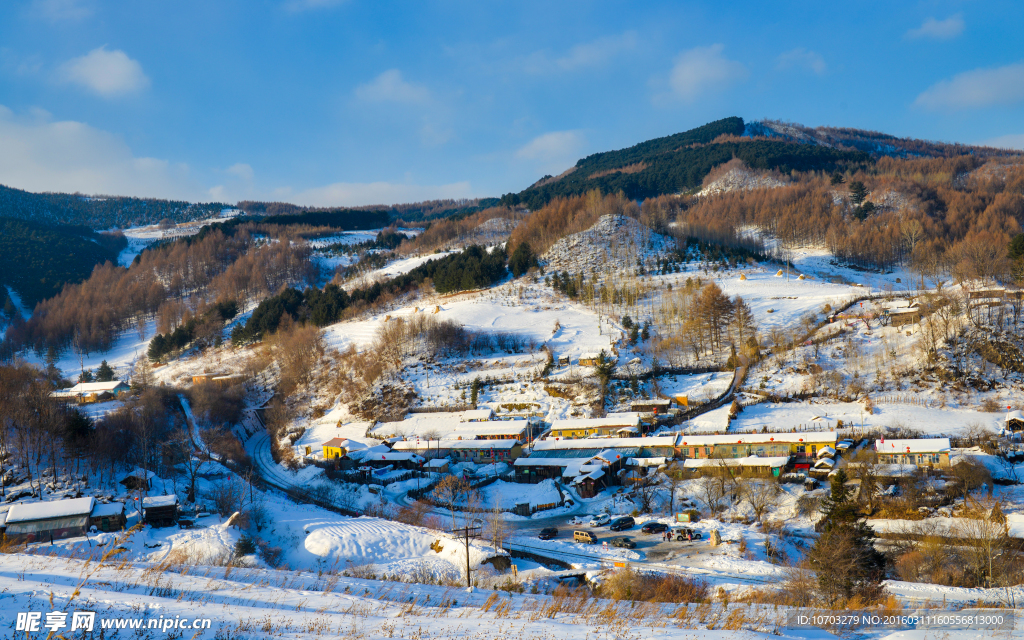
x: 1015, y: 421
x: 437, y: 465
x: 138, y: 479
x: 654, y: 405
x: 108, y: 517
x: 49, y: 521
x: 160, y: 511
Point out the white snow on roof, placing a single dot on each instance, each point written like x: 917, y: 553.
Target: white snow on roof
x: 451, y: 424
x: 1015, y: 415
x: 604, y: 443
x: 758, y: 438
x: 646, y: 462
x: 826, y: 451
x: 97, y: 387
x: 916, y: 445
x: 159, y: 501
x: 624, y: 419
x: 107, y: 510
x: 46, y: 510
x: 426, y: 445
x: 749, y: 461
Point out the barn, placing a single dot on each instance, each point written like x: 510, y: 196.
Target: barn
x: 49, y: 521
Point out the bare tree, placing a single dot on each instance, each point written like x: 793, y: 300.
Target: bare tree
x: 646, y: 490
x: 711, y: 490
x: 761, y: 495
x: 451, y: 492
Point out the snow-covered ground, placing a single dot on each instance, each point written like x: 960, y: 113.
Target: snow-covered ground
x: 818, y: 416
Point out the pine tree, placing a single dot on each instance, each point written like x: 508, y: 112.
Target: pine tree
x: 104, y: 373
x: 857, y: 192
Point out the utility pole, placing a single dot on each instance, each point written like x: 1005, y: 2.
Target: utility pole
x: 464, y: 531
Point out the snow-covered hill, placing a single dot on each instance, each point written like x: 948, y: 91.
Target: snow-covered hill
x: 615, y: 242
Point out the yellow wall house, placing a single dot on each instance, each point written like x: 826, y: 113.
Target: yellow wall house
x: 803, y: 446
x: 334, y: 448
x: 621, y: 425
x: 924, y: 452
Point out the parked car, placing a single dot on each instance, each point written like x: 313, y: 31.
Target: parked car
x: 600, y: 519
x: 621, y: 524
x: 584, y: 536
x: 623, y: 542
x: 683, y: 534
x: 654, y: 527
x: 547, y: 533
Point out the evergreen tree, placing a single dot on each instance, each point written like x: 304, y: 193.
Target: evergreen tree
x: 104, y: 373
x: 857, y: 192
x: 1017, y: 247
x: 85, y: 376
x: 843, y: 556
x: 522, y: 259
x: 837, y: 178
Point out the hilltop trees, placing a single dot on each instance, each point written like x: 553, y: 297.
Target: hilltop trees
x: 522, y: 259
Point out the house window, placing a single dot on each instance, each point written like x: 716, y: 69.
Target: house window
x: 801, y: 449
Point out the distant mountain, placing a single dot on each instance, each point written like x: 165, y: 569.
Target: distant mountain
x: 679, y: 163
x: 37, y: 260
x: 99, y: 212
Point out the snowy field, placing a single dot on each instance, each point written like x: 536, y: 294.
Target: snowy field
x: 250, y: 603
x: 825, y: 416
x: 698, y: 388
x: 577, y: 332
x: 506, y: 495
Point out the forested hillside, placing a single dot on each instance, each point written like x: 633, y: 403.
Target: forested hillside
x: 99, y: 212
x: 37, y: 260
x: 679, y: 162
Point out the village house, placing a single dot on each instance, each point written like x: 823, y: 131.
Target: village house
x: 1015, y: 421
x: 923, y: 452
x: 340, y: 448
x: 570, y: 459
x: 654, y: 406
x: 89, y: 392
x: 757, y: 465
x: 800, y: 448
x: 49, y: 521
x: 478, y: 451
x: 108, y: 517
x: 617, y: 424
x: 471, y: 424
x: 160, y: 511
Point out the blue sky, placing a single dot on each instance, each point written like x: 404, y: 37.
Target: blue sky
x: 328, y: 102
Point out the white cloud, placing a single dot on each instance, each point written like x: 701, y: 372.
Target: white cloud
x: 306, y: 5
x: 703, y: 70
x: 40, y: 154
x: 241, y: 170
x: 934, y: 29
x: 551, y: 145
x: 555, y: 151
x: 803, y: 59
x: 107, y: 73
x: 355, y: 194
x: 56, y: 10
x: 588, y: 54
x: 1009, y: 141
x: 391, y: 87
x: 977, y: 88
